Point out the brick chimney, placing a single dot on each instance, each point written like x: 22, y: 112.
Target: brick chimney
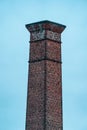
x: 44, y: 97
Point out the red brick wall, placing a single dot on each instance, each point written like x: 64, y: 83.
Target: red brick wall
x: 37, y: 50
x: 54, y: 96
x: 53, y: 50
x: 35, y: 106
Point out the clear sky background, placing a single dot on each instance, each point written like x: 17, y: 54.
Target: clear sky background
x: 14, y: 52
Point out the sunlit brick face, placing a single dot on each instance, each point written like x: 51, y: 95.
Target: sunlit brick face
x: 44, y: 97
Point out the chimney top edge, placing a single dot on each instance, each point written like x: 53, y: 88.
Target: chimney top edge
x: 46, y: 21
x: 32, y: 26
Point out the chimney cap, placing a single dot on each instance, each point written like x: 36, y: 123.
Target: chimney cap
x: 45, y: 25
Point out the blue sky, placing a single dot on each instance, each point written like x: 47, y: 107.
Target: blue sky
x: 14, y: 51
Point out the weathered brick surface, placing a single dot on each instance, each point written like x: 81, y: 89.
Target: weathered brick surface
x: 53, y: 50
x: 44, y: 98
x: 54, y: 95
x: 45, y: 34
x: 35, y: 106
x: 37, y: 50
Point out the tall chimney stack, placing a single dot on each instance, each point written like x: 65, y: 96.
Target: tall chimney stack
x: 44, y: 97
